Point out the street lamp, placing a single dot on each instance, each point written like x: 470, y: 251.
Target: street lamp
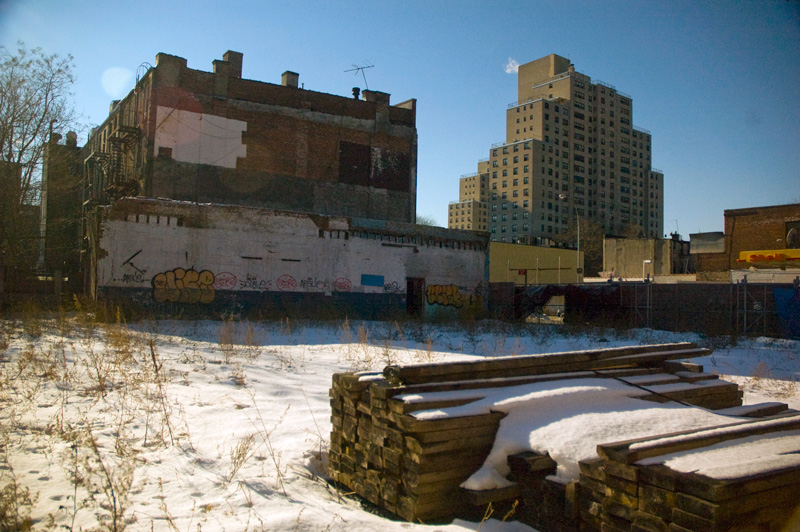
x: 644, y: 262
x: 578, y: 269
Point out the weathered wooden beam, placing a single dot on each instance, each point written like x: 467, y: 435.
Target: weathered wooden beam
x: 517, y: 365
x: 414, y: 425
x: 631, y: 451
x: 484, y: 497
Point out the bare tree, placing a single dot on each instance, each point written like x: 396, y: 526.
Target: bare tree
x: 426, y: 219
x: 591, y: 244
x: 35, y: 98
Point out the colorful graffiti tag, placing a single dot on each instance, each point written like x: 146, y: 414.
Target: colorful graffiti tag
x: 449, y: 296
x: 184, y: 286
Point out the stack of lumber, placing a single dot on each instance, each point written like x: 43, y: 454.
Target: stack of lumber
x: 632, y: 486
x: 409, y: 467
x: 413, y: 467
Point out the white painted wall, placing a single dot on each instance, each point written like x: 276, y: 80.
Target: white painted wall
x: 199, y: 138
x: 259, y: 250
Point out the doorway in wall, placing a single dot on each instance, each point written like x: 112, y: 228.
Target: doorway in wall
x: 415, y: 295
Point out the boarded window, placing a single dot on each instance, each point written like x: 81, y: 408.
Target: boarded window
x: 354, y: 163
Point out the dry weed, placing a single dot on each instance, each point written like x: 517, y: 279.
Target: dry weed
x: 240, y: 454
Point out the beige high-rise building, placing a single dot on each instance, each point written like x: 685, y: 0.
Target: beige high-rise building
x: 470, y: 211
x: 571, y: 151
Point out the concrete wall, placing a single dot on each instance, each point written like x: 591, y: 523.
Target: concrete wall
x: 544, y: 265
x: 626, y: 256
x: 229, y: 258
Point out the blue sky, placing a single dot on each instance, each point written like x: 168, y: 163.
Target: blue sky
x: 717, y: 83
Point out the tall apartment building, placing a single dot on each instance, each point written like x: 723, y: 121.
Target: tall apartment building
x: 571, y: 151
x: 471, y: 210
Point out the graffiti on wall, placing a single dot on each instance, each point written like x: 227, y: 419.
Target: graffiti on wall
x: 286, y: 283
x: 448, y: 295
x: 133, y: 275
x: 190, y: 286
x: 184, y: 286
x: 392, y: 288
x: 342, y: 285
x: 313, y: 283
x: 253, y: 282
x: 225, y: 281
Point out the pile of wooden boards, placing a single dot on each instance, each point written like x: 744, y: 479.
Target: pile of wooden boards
x: 413, y: 468
x: 632, y: 488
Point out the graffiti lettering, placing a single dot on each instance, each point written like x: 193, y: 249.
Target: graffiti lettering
x: 342, y: 285
x: 254, y: 283
x: 392, y: 288
x: 184, y: 286
x: 286, y: 282
x: 312, y: 283
x: 135, y: 277
x: 225, y: 281
x: 449, y: 296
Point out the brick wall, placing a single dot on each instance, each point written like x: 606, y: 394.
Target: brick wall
x: 759, y: 228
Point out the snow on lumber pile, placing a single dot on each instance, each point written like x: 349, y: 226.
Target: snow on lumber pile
x: 736, y: 477
x: 512, y: 366
x: 413, y: 467
x: 409, y: 467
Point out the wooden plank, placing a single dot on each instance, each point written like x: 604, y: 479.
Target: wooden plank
x: 403, y: 407
x: 623, y: 471
x: 520, y: 364
x: 685, y: 390
x: 593, y: 468
x: 659, y: 358
x: 696, y: 376
x: 531, y: 462
x: 464, y: 434
x: 732, y: 509
x: 674, y: 366
x: 416, y: 449
x: 656, y: 495
x: 414, y: 425
x: 449, y: 460
x: 719, y: 491
x: 631, y: 451
x: 484, y: 497
x: 755, y: 410
x: 621, y: 485
x: 413, y: 480
x: 505, y: 381
x: 655, y: 509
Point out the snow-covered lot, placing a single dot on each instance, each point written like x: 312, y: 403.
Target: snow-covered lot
x: 223, y: 425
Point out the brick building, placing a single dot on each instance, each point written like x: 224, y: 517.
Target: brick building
x: 59, y: 226
x: 755, y: 238
x: 214, y: 137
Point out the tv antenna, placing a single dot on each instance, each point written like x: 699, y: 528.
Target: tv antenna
x: 361, y: 69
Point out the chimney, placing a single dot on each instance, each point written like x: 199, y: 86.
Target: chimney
x: 377, y: 96
x: 235, y: 60
x: 290, y: 79
x: 356, y: 92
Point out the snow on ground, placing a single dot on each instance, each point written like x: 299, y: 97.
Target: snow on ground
x: 223, y: 425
